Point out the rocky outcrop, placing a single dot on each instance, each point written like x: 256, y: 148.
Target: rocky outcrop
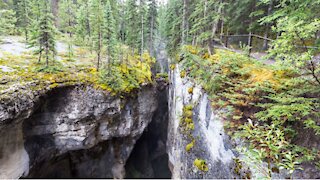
x: 81, y: 131
x: 211, y: 143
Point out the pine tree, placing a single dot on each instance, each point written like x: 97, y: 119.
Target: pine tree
x: 173, y: 25
x: 185, y: 24
x: 205, y: 20
x: 122, y: 23
x: 110, y: 34
x: 152, y: 24
x: 83, y: 29
x: 142, y: 15
x: 7, y: 21
x: 67, y: 21
x: 24, y: 8
x: 44, y: 32
x: 133, y: 28
x: 97, y: 21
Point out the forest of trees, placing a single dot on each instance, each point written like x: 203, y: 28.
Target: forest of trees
x: 101, y: 25
x: 278, y: 98
x: 294, y: 26
x: 104, y: 24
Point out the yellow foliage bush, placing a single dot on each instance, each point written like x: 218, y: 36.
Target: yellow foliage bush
x: 201, y: 164
x: 183, y: 74
x: 190, y: 146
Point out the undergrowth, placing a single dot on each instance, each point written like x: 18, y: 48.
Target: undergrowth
x: 121, y: 77
x: 265, y: 103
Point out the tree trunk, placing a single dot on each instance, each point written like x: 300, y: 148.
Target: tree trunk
x: 88, y: 22
x: 55, y: 10
x: 47, y: 56
x: 318, y: 35
x: 193, y: 40
x: 184, y: 22
x: 250, y: 43
x: 214, y: 29
x: 108, y: 60
x: 40, y: 54
x: 221, y: 30
x: 142, y: 37
x: 26, y: 21
x: 151, y: 36
x: 70, y: 35
x: 265, y: 42
x: 99, y: 51
x: 26, y: 34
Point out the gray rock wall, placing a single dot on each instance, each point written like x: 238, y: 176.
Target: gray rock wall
x: 72, y: 122
x: 211, y: 142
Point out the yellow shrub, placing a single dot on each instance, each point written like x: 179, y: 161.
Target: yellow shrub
x: 183, y: 74
x: 201, y: 164
x: 190, y: 146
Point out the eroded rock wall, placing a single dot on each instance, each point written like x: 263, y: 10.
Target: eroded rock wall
x: 72, y: 122
x: 211, y: 142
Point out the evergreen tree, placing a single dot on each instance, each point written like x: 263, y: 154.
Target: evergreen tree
x: 67, y: 21
x: 24, y: 9
x: 7, y: 21
x: 173, y: 25
x: 83, y: 29
x: 162, y: 21
x: 185, y: 24
x: 205, y: 20
x: 122, y: 23
x: 110, y: 34
x: 44, y: 32
x: 97, y: 21
x: 152, y: 24
x: 133, y: 28
x: 142, y: 10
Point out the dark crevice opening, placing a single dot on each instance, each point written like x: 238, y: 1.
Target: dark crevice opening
x: 149, y: 158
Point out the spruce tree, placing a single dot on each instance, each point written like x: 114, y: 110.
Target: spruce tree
x: 205, y: 18
x: 82, y: 29
x: 110, y: 34
x: 173, y: 25
x: 133, y: 25
x: 7, y: 21
x: 24, y: 19
x: 44, y: 32
x: 142, y: 10
x: 67, y: 21
x: 97, y: 21
x: 152, y: 24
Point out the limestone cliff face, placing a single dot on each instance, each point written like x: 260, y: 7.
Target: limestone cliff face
x: 211, y: 142
x: 80, y: 130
